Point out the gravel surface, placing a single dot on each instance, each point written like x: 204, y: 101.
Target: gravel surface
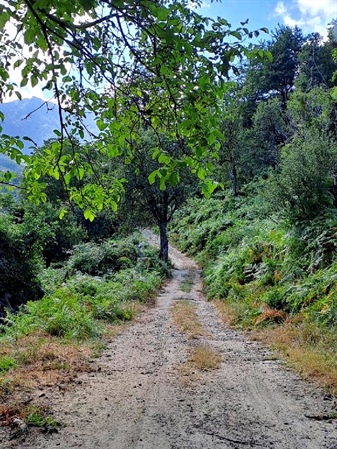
x: 139, y: 398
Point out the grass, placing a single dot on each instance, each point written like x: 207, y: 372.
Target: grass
x: 187, y: 283
x: 186, y: 319
x: 305, y: 346
x: 42, y: 360
x: 51, y: 340
x: 37, y: 417
x: 31, y: 415
x: 272, y: 278
x: 204, y: 358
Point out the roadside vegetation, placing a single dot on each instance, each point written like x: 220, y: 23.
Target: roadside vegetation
x: 87, y: 299
x: 267, y: 276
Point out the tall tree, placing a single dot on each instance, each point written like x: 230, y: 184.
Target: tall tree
x: 145, y: 190
x: 276, y: 77
x: 315, y: 64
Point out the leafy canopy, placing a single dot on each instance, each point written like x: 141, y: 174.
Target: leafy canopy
x: 88, y: 53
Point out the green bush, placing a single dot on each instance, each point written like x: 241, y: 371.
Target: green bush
x: 254, y: 259
x: 302, y: 188
x: 107, y: 257
x: 18, y: 268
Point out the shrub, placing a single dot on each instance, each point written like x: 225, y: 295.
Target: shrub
x: 18, y: 269
x: 99, y: 259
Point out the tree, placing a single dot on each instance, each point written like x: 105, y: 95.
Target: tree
x: 315, y: 64
x: 305, y: 178
x: 87, y: 51
x: 18, y: 267
x: 270, y: 131
x: 144, y: 190
x: 276, y: 76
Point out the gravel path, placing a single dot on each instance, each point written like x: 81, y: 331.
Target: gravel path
x: 138, y: 398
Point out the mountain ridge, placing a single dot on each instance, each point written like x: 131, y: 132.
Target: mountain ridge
x: 31, y: 118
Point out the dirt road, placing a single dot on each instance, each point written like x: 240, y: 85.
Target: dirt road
x: 140, y: 399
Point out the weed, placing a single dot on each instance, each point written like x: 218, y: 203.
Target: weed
x: 49, y: 341
x: 37, y: 417
x: 204, y: 358
x: 276, y: 279
x: 6, y: 363
x: 185, y: 317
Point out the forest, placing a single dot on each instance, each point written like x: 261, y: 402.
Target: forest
x: 226, y: 147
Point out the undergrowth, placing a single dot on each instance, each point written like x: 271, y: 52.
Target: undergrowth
x: 99, y: 287
x: 271, y: 274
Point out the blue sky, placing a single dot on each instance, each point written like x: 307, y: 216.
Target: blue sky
x: 309, y: 15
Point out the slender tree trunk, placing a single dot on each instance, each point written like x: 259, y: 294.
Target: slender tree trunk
x: 163, y: 242
x: 234, y: 180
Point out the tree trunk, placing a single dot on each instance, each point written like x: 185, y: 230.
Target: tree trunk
x: 234, y: 180
x: 163, y: 242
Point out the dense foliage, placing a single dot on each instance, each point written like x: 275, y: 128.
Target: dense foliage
x: 254, y: 260
x: 128, y: 65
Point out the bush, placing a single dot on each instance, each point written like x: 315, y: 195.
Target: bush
x: 18, y: 269
x: 302, y: 188
x: 99, y: 259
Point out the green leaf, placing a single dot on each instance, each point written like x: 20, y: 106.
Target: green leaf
x: 34, y: 81
x: 152, y: 176
x: 81, y: 172
x: 24, y: 82
x: 101, y: 125
x: 17, y: 63
x: 63, y: 212
x: 88, y: 215
x: 162, y: 13
x: 20, y: 144
x: 201, y: 173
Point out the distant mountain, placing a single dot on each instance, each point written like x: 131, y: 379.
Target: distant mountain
x: 6, y: 164
x: 20, y: 120
x: 32, y: 118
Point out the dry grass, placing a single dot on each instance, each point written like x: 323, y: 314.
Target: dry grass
x: 309, y: 349
x: 226, y: 311
x: 42, y: 360
x: 202, y: 358
x: 312, y: 355
x: 186, y: 319
x: 269, y: 316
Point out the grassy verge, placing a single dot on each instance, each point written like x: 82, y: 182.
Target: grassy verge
x: 275, y: 280
x: 51, y: 340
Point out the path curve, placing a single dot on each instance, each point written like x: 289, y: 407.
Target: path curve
x: 138, y: 398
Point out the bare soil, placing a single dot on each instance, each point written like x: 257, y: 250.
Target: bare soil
x: 138, y: 397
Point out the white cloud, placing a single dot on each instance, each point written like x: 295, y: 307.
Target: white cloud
x: 196, y: 4
x: 310, y: 15
x: 315, y: 7
x: 280, y: 9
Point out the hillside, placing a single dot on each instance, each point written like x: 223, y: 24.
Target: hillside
x: 32, y: 118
